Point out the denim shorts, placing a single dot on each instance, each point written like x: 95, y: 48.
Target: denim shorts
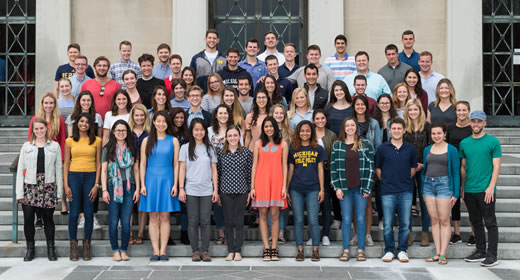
x: 438, y: 187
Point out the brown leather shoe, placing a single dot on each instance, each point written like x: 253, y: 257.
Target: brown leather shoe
x: 425, y: 239
x: 86, y: 250
x: 205, y: 257
x: 74, y: 250
x: 315, y: 255
x: 300, y: 256
x: 410, y: 238
x: 195, y: 257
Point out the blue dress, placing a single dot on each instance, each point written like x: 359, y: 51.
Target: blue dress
x: 159, y: 179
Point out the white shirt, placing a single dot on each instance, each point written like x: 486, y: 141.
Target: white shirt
x: 110, y: 120
x: 279, y: 55
x: 211, y: 56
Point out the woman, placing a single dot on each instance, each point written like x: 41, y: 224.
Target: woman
x: 198, y: 187
x: 178, y: 98
x: 189, y: 76
x: 300, y: 107
x: 443, y: 108
x: 441, y: 188
x: 215, y: 88
x: 120, y: 184
x: 268, y: 182
x: 39, y: 184
x: 271, y: 86
x: 352, y: 176
x: 65, y: 98
x: 159, y: 170
x: 119, y: 110
x: 456, y: 132
x: 254, y: 120
x: 139, y: 123
x: 384, y: 113
x: 340, y: 106
x: 400, y: 97
x: 417, y: 133
x: 130, y: 81
x: 85, y: 104
x: 305, y: 181
x: 159, y: 102
x: 234, y: 177
x: 230, y: 98
x: 279, y: 113
x: 413, y: 82
x: 82, y: 172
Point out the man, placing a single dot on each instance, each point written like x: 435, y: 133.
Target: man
x: 195, y: 111
x: 270, y: 42
x: 244, y: 94
x: 396, y: 161
x: 162, y: 69
x: 394, y: 70
x: 117, y: 69
x: 481, y: 156
x: 231, y: 72
x: 67, y: 70
x: 360, y: 85
x: 147, y: 83
x: 102, y: 87
x: 376, y: 84
x: 341, y: 63
x: 284, y: 85
x: 208, y: 60
x: 326, y: 77
x: 175, y: 62
x: 79, y: 77
x: 409, y: 55
x: 318, y: 96
x: 287, y: 68
x: 254, y: 66
x: 429, y: 78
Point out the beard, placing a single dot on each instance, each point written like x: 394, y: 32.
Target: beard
x: 477, y: 130
x: 101, y: 75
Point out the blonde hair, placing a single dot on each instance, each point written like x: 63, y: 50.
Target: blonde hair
x: 42, y: 121
x: 70, y: 83
x: 54, y: 122
x: 131, y: 122
x: 395, y: 99
x: 285, y: 127
x: 421, y: 119
x: 236, y: 108
x: 447, y: 81
x: 297, y: 91
x: 221, y: 87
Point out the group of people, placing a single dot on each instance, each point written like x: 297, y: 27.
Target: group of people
x: 223, y: 134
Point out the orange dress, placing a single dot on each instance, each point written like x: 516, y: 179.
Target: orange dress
x: 269, y: 177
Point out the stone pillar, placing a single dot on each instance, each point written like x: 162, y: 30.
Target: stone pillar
x: 325, y: 22
x: 188, y: 32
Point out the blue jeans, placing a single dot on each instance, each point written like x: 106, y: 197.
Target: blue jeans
x: 402, y: 204
x: 120, y: 211
x: 300, y: 200
x: 425, y: 217
x: 353, y: 198
x: 80, y: 184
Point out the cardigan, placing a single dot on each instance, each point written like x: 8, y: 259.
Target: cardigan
x: 366, y: 166
x: 328, y: 140
x: 453, y: 169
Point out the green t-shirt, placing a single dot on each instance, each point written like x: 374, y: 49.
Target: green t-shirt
x: 479, y: 154
x: 123, y: 173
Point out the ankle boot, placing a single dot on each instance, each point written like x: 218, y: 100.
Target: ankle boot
x: 74, y: 250
x: 29, y: 255
x: 51, y: 251
x: 184, y: 237
x: 86, y: 250
x: 425, y: 239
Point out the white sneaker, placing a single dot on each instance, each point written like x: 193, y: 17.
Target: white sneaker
x: 369, y: 241
x: 81, y: 222
x: 309, y: 242
x: 335, y: 225
x: 96, y: 224
x: 325, y: 241
x: 381, y: 225
x: 353, y: 241
x: 388, y: 257
x: 403, y: 257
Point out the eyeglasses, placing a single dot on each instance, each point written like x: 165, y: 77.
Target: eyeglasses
x: 384, y: 103
x: 261, y: 97
x: 121, y: 131
x: 102, y: 92
x: 80, y: 64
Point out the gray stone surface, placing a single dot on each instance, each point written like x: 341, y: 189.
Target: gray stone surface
x: 3, y: 269
x: 506, y: 274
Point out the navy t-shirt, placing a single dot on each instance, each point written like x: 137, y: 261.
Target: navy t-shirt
x: 395, y: 167
x: 305, y: 161
x: 66, y: 71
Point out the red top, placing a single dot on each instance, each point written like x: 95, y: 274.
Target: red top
x: 372, y: 103
x: 168, y: 85
x: 60, y: 138
x: 102, y: 103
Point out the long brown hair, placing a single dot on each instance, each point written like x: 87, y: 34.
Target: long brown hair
x: 225, y: 149
x: 297, y: 141
x: 343, y: 136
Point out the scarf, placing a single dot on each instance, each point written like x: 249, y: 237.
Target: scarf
x: 124, y: 160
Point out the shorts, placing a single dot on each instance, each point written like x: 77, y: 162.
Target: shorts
x: 438, y: 187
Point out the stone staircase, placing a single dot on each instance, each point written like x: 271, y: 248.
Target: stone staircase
x: 507, y: 208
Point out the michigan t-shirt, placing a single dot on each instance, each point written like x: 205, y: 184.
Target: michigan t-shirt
x: 305, y: 161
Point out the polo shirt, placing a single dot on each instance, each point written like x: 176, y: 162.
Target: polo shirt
x: 66, y: 71
x: 413, y: 60
x: 429, y: 84
x: 392, y: 75
x: 284, y: 72
x: 279, y: 55
x: 341, y: 67
x: 161, y: 72
x: 376, y: 84
x: 77, y: 83
x: 102, y: 103
x: 395, y: 165
x: 256, y: 71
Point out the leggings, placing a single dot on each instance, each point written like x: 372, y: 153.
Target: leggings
x: 28, y: 216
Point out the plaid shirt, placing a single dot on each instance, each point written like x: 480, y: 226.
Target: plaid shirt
x: 366, y: 166
x: 117, y: 69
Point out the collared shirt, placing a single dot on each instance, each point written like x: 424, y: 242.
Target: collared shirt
x: 341, y: 67
x: 234, y: 171
x: 256, y: 71
x: 279, y: 55
x: 297, y: 118
x: 117, y: 69
x: 77, y: 83
x: 284, y: 72
x: 412, y: 60
x: 161, y: 72
x: 325, y: 77
x: 395, y: 165
x: 192, y: 115
x: 376, y: 84
x: 394, y: 75
x: 429, y: 84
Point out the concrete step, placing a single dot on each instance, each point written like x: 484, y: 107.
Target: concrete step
x: 6, y: 179
x: 506, y: 251
x: 509, y: 140
x: 497, y: 132
x: 508, y: 180
x: 9, y: 147
x: 6, y: 191
x: 4, y: 167
x: 510, y: 169
x: 515, y: 149
x: 508, y: 192
x: 8, y: 157
x: 13, y: 139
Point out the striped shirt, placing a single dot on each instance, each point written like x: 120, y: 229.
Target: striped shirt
x: 366, y: 166
x: 341, y: 67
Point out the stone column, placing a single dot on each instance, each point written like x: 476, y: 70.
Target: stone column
x: 325, y: 22
x: 188, y: 31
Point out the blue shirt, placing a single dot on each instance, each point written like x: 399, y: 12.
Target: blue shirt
x: 284, y: 72
x: 66, y: 71
x: 284, y: 87
x: 395, y: 165
x: 305, y: 177
x: 413, y: 60
x: 376, y: 84
x: 341, y: 67
x: 161, y: 72
x: 297, y: 118
x: 184, y: 104
x: 429, y: 84
x: 256, y: 71
x: 76, y: 84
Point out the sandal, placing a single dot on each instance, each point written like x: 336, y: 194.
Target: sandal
x: 345, y: 256
x: 131, y: 241
x: 434, y: 258
x: 361, y: 256
x: 443, y: 259
x: 415, y: 212
x: 220, y: 240
x: 275, y: 256
x: 138, y: 241
x: 267, y: 254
